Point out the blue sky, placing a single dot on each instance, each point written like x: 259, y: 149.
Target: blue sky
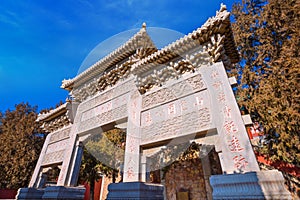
x: 44, y: 41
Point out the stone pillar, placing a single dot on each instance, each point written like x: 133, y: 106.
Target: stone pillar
x: 35, y: 177
x: 76, y: 164
x: 236, y: 153
x: 207, y: 173
x: 71, y: 146
x: 133, y: 138
x: 143, y: 169
x: 64, y: 174
x: 42, y: 180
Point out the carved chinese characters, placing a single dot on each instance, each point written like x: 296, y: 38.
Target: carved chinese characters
x: 229, y: 124
x: 133, y: 138
x: 186, y: 115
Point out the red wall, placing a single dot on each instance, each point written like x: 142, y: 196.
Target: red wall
x: 7, y: 194
x: 280, y: 165
x: 97, y: 190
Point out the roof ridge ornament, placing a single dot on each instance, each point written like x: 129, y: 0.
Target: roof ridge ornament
x: 223, y: 7
x: 144, y: 25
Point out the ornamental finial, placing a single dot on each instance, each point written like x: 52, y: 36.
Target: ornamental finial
x: 144, y: 25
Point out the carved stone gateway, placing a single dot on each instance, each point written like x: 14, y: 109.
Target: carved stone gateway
x: 178, y: 94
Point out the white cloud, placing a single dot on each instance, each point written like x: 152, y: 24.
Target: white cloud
x: 10, y: 18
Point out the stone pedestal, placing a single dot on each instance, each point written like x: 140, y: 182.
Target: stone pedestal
x: 64, y: 193
x: 251, y: 185
x: 135, y: 191
x: 51, y: 193
x: 30, y: 193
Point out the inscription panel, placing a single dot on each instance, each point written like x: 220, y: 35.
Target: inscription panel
x: 184, y: 116
x: 190, y: 85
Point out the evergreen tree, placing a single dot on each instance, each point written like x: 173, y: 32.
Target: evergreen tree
x: 20, y: 146
x: 267, y: 35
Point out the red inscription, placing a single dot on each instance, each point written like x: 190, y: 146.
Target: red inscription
x: 171, y: 109
x: 234, y: 145
x: 130, y: 173
x: 214, y: 74
x: 183, y: 105
x: 240, y: 162
x: 133, y: 115
x: 227, y: 111
x: 217, y: 85
x: 221, y: 97
x: 199, y: 101
x: 148, y: 118
x: 134, y: 104
x: 132, y: 144
x: 230, y: 128
x: 159, y: 113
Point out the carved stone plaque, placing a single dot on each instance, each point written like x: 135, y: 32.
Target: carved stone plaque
x: 184, y: 116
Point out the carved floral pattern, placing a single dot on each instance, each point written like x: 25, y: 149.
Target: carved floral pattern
x: 54, y: 157
x: 60, y: 135
x: 192, y: 84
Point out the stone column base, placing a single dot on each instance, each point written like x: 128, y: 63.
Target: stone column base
x: 63, y: 193
x: 51, y: 193
x: 251, y: 185
x: 135, y: 191
x: 30, y: 193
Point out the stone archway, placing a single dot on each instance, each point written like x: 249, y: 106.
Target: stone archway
x: 175, y: 92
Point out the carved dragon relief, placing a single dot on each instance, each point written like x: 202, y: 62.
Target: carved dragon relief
x: 110, y: 77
